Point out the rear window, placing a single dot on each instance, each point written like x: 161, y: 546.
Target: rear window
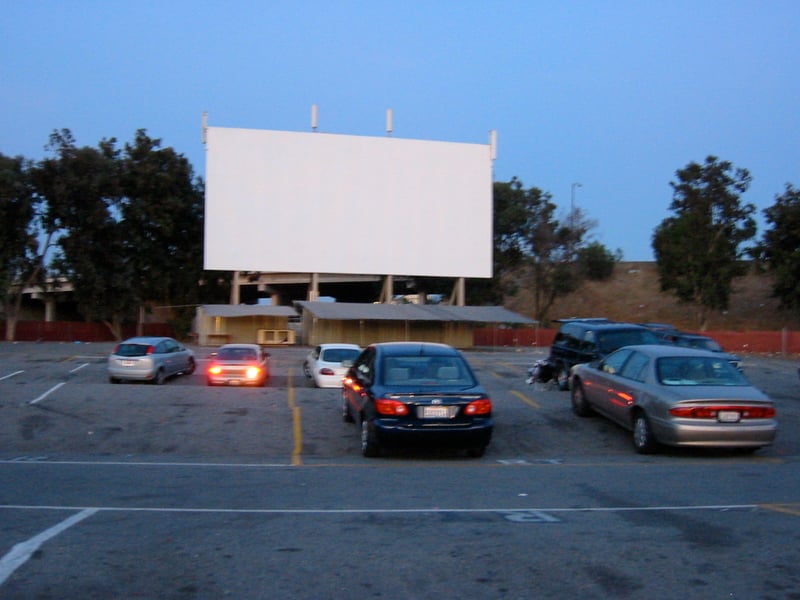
x: 132, y: 349
x: 694, y: 370
x: 338, y: 355
x: 426, y: 371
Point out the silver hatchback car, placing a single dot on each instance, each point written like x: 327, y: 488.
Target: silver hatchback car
x: 149, y: 359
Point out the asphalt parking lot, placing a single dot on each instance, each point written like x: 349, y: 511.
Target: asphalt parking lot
x: 56, y: 400
x: 189, y: 491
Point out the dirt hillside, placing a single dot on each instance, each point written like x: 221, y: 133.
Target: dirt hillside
x: 632, y: 294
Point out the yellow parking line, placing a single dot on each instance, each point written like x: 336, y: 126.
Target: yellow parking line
x: 789, y: 509
x: 526, y: 400
x: 297, y: 429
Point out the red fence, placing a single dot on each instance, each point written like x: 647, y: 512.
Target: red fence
x: 777, y: 342
x: 78, y: 331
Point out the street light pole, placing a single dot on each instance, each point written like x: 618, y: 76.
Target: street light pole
x: 572, y: 197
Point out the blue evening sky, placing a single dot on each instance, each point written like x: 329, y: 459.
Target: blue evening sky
x: 614, y: 95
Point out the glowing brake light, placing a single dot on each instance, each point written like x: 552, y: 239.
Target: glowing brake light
x: 352, y: 384
x: 151, y: 349
x: 253, y: 372
x: 479, y: 407
x: 215, y: 370
x: 393, y: 408
x: 712, y: 412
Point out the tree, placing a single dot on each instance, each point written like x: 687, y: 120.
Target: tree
x: 596, y: 262
x: 18, y: 244
x: 699, y: 249
x: 162, y: 214
x: 780, y: 247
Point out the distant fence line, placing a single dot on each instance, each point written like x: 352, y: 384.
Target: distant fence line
x: 79, y: 331
x: 767, y: 342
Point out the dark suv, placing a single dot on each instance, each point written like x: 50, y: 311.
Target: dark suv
x: 584, y: 340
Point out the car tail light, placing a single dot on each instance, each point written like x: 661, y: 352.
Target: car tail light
x: 352, y: 384
x: 253, y: 372
x: 215, y: 370
x: 326, y: 371
x: 393, y: 408
x: 151, y: 349
x: 479, y: 407
x: 115, y: 350
x: 711, y: 412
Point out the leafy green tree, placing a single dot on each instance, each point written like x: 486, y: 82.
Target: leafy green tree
x: 699, y: 249
x: 162, y: 215
x: 780, y: 247
x: 19, y: 262
x: 81, y: 186
x: 596, y: 262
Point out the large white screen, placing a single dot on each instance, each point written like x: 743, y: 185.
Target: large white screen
x: 322, y: 203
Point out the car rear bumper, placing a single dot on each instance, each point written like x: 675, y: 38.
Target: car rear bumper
x: 718, y: 435
x: 392, y: 431
x: 133, y: 374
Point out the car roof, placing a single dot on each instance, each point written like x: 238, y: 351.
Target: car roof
x: 661, y: 350
x: 145, y: 340
x: 415, y: 348
x: 605, y: 326
x: 240, y: 346
x: 347, y: 346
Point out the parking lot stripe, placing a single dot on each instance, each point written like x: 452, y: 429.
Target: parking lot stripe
x: 10, y: 375
x: 20, y: 553
x: 297, y: 429
x: 47, y: 393
x: 526, y: 400
x: 789, y: 509
x: 76, y: 369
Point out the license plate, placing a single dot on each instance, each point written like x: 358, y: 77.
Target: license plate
x: 435, y: 412
x: 728, y: 416
x: 127, y: 363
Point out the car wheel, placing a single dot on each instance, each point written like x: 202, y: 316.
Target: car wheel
x: 306, y: 370
x: 191, y: 368
x: 346, y: 416
x: 369, y: 439
x: 562, y: 379
x: 113, y: 380
x: 160, y: 377
x: 580, y: 406
x: 643, y: 439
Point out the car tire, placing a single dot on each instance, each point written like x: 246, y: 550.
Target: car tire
x: 580, y: 406
x: 114, y: 380
x: 346, y: 416
x: 306, y: 370
x: 369, y: 439
x: 191, y: 368
x: 160, y: 377
x: 643, y: 439
x: 562, y: 378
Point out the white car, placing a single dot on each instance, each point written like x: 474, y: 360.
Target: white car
x: 327, y: 364
x: 149, y: 359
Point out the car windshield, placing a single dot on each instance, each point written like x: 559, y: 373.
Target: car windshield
x: 338, y: 355
x: 611, y: 340
x: 426, y: 371
x: 697, y: 370
x: 237, y: 354
x: 132, y: 349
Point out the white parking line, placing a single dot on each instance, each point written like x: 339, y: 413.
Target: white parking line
x: 47, y: 393
x: 11, y: 375
x: 21, y: 552
x: 76, y: 369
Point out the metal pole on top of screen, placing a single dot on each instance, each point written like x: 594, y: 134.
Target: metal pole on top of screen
x: 389, y: 121
x: 314, y: 114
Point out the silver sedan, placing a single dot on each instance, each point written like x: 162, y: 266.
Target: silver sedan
x: 149, y: 359
x: 675, y: 396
